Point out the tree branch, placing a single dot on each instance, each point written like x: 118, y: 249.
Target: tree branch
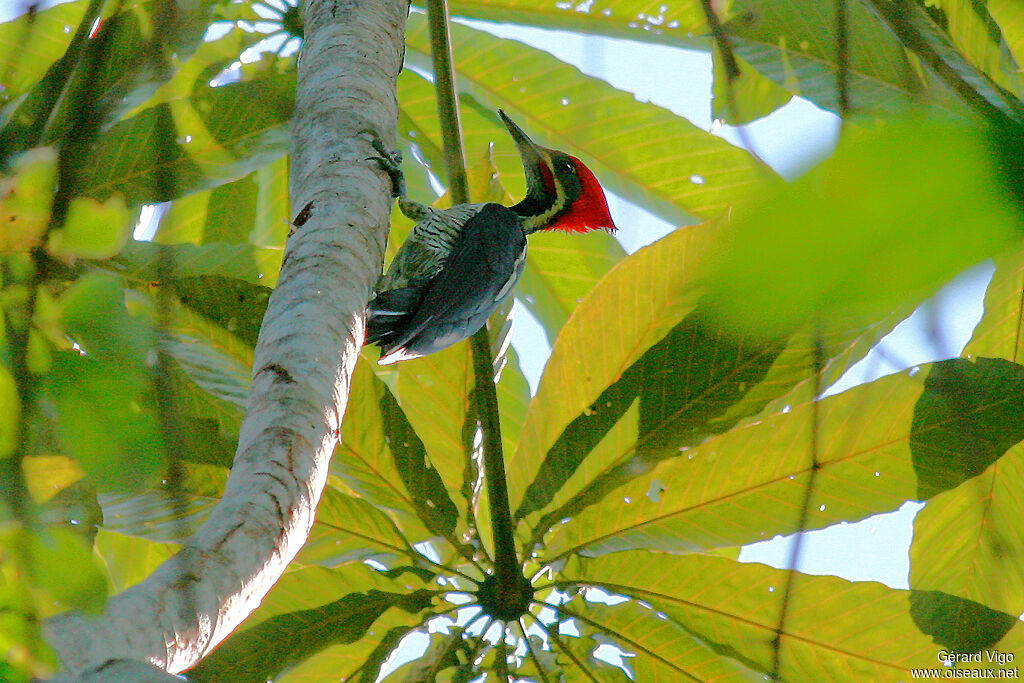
x: 507, y: 573
x: 304, y: 358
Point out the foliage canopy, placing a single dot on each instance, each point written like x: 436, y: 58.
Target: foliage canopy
x: 677, y: 418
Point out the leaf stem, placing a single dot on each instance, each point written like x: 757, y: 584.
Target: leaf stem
x: 818, y: 362
x: 506, y: 565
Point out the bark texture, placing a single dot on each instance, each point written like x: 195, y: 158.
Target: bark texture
x: 304, y: 358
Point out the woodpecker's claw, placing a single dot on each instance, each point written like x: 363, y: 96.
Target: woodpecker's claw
x: 390, y: 162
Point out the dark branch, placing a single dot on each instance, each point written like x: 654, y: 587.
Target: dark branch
x: 817, y: 362
x: 507, y: 572
x: 842, y: 59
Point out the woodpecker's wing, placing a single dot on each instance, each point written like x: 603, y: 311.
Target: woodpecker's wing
x: 479, y: 273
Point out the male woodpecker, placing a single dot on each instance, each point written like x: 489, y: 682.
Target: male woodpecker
x: 460, y: 264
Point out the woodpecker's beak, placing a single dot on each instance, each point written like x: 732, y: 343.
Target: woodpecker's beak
x: 528, y: 149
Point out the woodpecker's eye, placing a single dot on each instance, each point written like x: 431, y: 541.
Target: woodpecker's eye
x: 564, y: 165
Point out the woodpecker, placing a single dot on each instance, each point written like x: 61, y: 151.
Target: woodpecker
x: 459, y: 264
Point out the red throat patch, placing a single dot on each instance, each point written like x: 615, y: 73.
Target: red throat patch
x: 590, y: 211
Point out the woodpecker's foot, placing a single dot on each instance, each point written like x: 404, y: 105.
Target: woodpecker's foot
x: 391, y: 162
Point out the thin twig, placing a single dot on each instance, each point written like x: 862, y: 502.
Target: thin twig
x: 732, y: 72
x: 168, y: 410
x: 805, y: 508
x: 84, y: 117
x: 842, y: 59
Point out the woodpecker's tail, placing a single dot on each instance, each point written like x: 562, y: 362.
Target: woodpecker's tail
x: 388, y: 314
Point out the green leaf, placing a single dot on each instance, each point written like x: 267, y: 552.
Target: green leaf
x: 194, y: 72
x: 27, y: 195
x: 10, y: 409
x: 445, y: 652
x: 121, y: 61
x: 154, y: 515
x: 422, y: 481
x: 295, y: 625
x: 967, y: 417
x: 629, y: 311
x: 998, y: 333
x: 1009, y: 14
x: 29, y: 44
x: 234, y: 305
x: 968, y: 541
x: 365, y: 462
x: 650, y: 156
x: 223, y: 214
x: 734, y: 608
x: 639, y: 20
x: 92, y: 229
x: 251, y: 210
x: 21, y: 636
x: 103, y: 421
x: 752, y: 94
x: 576, y: 655
x: 659, y: 649
x: 748, y: 484
x: 94, y: 314
x: 255, y: 265
x: 349, y: 529
x: 960, y: 625
x: 919, y: 33
x: 561, y: 270
x: 434, y: 394
x: 974, y: 32
x: 130, y: 559
x: 793, y: 43
x: 64, y: 570
x: 891, y: 239
x: 214, y: 359
x: 213, y: 143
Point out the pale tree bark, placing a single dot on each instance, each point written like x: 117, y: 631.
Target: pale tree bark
x: 304, y: 358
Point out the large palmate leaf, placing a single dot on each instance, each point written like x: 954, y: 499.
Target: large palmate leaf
x: 137, y: 42
x: 209, y: 59
x: 919, y: 33
x: 130, y: 559
x: 734, y: 608
x: 670, y: 378
x: 744, y: 96
x: 878, y: 445
x: 251, y: 210
x: 641, y: 151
